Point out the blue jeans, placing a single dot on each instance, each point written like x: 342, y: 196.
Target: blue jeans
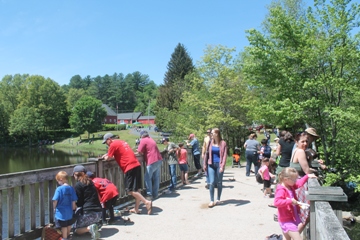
x: 251, y: 158
x: 152, y: 178
x: 173, y: 178
x: 215, y: 177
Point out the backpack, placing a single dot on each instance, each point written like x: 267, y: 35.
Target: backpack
x: 267, y: 151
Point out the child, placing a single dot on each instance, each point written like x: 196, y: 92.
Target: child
x: 108, y: 195
x: 64, y: 203
x: 266, y: 176
x: 182, y: 156
x: 287, y: 204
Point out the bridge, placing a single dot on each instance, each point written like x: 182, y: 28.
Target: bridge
x: 25, y: 200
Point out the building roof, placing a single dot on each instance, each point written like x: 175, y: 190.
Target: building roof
x: 109, y: 111
x: 131, y: 115
x: 146, y: 117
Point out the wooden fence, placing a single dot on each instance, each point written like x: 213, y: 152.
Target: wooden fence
x: 325, y: 223
x: 26, y: 197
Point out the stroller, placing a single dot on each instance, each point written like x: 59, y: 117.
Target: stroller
x: 236, y: 157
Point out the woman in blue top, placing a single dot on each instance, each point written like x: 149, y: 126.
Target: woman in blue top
x: 252, y: 153
x: 214, y: 163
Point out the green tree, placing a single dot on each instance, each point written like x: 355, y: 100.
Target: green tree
x: 26, y: 122
x: 47, y: 98
x: 305, y: 70
x: 179, y: 66
x: 73, y: 96
x: 87, y: 115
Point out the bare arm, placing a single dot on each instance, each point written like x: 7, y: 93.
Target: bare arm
x: 300, y: 157
x: 278, y: 150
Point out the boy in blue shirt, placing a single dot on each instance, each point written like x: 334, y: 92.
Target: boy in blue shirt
x: 64, y: 202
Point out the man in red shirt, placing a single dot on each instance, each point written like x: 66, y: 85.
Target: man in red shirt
x: 153, y: 159
x: 125, y: 157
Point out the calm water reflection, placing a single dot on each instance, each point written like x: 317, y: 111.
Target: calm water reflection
x: 23, y: 159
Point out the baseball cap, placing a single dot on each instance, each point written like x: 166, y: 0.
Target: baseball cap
x: 143, y: 132
x: 79, y: 168
x: 90, y: 174
x: 107, y: 136
x: 165, y: 139
x: 191, y: 136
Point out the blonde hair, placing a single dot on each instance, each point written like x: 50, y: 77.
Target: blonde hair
x: 61, y: 176
x: 288, y: 173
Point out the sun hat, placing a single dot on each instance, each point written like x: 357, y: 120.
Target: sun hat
x: 79, y: 168
x: 107, y: 136
x: 191, y: 136
x: 312, y: 132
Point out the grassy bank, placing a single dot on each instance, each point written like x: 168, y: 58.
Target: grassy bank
x: 82, y: 142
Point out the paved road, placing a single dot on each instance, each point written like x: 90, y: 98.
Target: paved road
x: 243, y: 214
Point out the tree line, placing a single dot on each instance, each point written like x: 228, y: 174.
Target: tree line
x: 32, y: 105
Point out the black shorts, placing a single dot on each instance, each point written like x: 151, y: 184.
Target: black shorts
x: 267, y: 183
x: 133, y: 179
x: 60, y: 223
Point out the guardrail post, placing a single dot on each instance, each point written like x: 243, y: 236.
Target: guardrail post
x: 317, y: 193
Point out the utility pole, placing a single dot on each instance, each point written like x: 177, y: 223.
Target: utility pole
x: 149, y: 113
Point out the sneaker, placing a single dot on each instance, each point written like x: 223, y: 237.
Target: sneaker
x: 94, y: 230
x: 168, y: 191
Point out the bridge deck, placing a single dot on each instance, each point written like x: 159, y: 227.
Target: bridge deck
x: 243, y: 214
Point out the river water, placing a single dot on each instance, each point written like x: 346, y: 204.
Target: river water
x: 23, y: 159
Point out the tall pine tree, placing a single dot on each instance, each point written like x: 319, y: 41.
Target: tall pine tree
x: 175, y: 83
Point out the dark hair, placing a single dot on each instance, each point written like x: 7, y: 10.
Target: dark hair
x: 288, y: 137
x: 299, y: 135
x: 181, y: 144
x: 282, y: 133
x: 264, y: 141
x: 265, y: 160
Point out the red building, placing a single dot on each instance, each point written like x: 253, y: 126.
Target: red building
x: 147, y: 119
x: 110, y: 115
x: 128, y: 118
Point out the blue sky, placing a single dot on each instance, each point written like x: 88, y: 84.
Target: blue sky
x: 61, y: 38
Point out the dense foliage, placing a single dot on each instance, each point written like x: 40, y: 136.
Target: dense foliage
x: 32, y: 105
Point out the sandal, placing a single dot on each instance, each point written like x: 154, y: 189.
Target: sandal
x: 149, y: 207
x: 134, y: 211
x: 211, y: 204
x: 272, y: 206
x: 217, y: 202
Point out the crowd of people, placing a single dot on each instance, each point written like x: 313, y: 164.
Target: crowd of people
x: 287, y: 167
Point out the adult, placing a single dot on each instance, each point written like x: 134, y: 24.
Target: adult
x: 126, y: 159
x: 88, y: 201
x: 214, y: 164
x: 152, y: 157
x: 207, y: 139
x: 171, y: 149
x: 300, y: 163
x: 284, y: 148
x: 312, y: 137
x: 252, y: 149
x: 194, y: 143
x: 108, y: 194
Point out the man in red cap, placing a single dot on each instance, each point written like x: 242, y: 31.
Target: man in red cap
x: 125, y: 157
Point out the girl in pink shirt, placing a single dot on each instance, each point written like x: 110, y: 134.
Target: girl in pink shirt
x: 287, y: 203
x: 182, y: 158
x: 266, y: 176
